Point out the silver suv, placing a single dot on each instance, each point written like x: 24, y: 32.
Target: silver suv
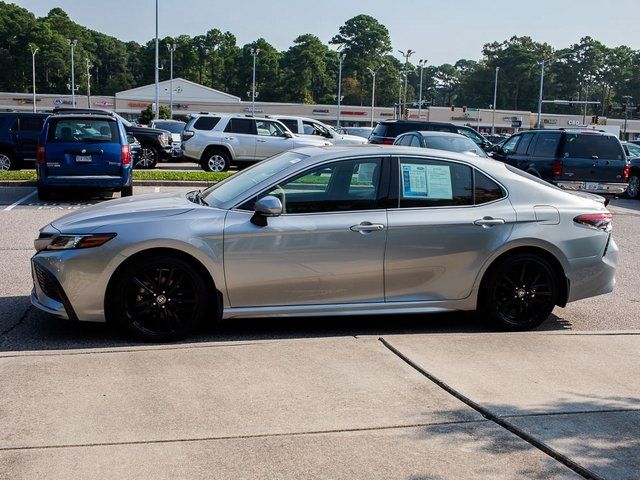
x: 218, y: 141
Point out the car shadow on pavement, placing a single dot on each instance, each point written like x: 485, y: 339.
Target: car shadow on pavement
x: 37, y: 330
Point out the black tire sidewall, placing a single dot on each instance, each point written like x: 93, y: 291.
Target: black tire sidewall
x: 207, y: 155
x: 637, y: 195
x: 116, y: 315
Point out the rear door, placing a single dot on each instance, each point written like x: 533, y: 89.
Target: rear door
x: 29, y: 128
x: 592, y: 158
x: 83, y: 146
x: 241, y: 135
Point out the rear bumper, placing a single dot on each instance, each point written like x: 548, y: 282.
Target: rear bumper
x: 601, y: 188
x: 94, y: 181
x: 592, y: 276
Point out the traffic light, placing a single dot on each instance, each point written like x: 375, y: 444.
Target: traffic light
x: 464, y: 109
x: 594, y: 120
x: 453, y: 108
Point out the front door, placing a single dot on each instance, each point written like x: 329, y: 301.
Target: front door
x: 327, y: 247
x: 271, y: 139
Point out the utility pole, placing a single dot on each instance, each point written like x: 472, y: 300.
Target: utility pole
x: 421, y: 64
x: 373, y: 91
x: 626, y: 114
x: 495, y: 98
x: 72, y: 44
x: 539, y: 120
x: 172, y: 48
x: 406, y: 78
x: 88, y: 83
x: 255, y: 51
x: 340, y: 60
x: 34, y: 50
x: 156, y: 112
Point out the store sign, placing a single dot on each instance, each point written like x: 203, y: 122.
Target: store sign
x: 103, y: 103
x: 138, y: 104
x: 24, y: 101
x: 550, y: 121
x: 257, y: 110
x: 467, y: 118
x: 62, y: 101
x: 575, y: 123
x: 352, y: 112
x: 321, y: 110
x: 384, y: 114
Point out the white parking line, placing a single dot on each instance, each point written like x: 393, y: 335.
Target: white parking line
x: 156, y: 190
x: 16, y: 203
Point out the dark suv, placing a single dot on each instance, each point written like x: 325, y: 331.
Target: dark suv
x: 386, y: 131
x: 19, y: 135
x: 585, y: 160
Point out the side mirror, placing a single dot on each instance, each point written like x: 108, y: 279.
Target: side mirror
x: 264, y: 208
x: 288, y: 135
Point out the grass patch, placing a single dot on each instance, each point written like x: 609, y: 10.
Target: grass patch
x: 137, y: 175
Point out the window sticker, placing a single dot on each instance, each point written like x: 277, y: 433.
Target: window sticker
x: 439, y: 182
x: 426, y: 181
x: 365, y: 172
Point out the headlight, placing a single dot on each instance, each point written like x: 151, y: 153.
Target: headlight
x: 164, y: 141
x: 68, y: 242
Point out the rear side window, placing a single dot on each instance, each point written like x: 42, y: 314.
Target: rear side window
x: 80, y: 130
x: 241, y: 125
x: 31, y: 124
x: 433, y: 183
x: 547, y: 145
x: 206, y: 123
x: 485, y: 190
x: 592, y: 146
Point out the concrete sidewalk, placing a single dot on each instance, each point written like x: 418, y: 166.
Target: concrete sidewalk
x: 312, y: 408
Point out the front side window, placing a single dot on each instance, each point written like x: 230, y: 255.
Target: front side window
x: 312, y: 128
x: 266, y: 128
x: 510, y: 145
x: 337, y: 187
x: 415, y: 141
x: 241, y: 125
x: 76, y: 130
x: 434, y: 183
x: 547, y: 145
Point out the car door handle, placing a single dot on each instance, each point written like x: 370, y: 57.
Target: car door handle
x: 366, y: 227
x: 489, y: 221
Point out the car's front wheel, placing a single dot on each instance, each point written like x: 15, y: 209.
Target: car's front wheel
x: 147, y: 157
x: 633, y: 189
x: 126, y: 191
x: 158, y: 298
x: 7, y: 162
x: 519, y: 292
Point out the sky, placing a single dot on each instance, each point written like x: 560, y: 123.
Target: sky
x: 439, y: 31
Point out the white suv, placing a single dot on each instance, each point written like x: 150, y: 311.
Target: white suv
x: 218, y: 141
x: 309, y: 127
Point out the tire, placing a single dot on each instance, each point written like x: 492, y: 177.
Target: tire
x: 8, y: 162
x: 633, y: 190
x: 147, y: 157
x: 215, y: 161
x: 519, y: 292
x: 44, y: 193
x: 126, y: 191
x: 158, y: 298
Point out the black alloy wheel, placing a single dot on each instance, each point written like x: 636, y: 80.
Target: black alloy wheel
x: 521, y: 292
x: 160, y: 298
x: 147, y: 157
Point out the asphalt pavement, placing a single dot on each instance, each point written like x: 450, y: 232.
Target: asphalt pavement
x: 408, y: 396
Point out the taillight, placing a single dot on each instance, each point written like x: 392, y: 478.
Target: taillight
x: 626, y: 171
x: 125, y: 155
x: 387, y: 141
x: 41, y: 155
x: 600, y: 221
x: 557, y: 168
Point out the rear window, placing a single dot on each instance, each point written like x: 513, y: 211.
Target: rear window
x: 206, y: 123
x: 83, y: 130
x: 578, y: 145
x: 380, y: 130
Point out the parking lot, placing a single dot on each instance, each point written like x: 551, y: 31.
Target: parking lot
x: 363, y: 397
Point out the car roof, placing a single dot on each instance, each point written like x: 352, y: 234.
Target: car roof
x: 85, y: 116
x: 583, y: 131
x: 423, y: 122
x: 166, y: 120
x: 430, y: 133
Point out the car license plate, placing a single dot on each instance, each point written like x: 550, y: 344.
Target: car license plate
x: 591, y: 186
x: 83, y: 158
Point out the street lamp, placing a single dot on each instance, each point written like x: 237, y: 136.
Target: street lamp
x: 495, y: 95
x: 34, y: 50
x: 402, y: 74
x: 89, y: 65
x: 72, y: 44
x: 421, y: 64
x: 626, y: 113
x: 542, y: 63
x: 341, y: 56
x: 255, y: 51
x: 172, y: 48
x: 373, y: 91
x: 406, y: 78
x: 156, y: 106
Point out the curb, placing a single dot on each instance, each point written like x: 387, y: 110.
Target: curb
x: 138, y: 183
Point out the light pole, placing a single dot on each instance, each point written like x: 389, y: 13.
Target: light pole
x: 421, y: 64
x: 626, y: 114
x: 34, y: 50
x: 172, y: 48
x: 255, y: 51
x: 402, y: 74
x: 495, y: 98
x: 88, y: 83
x: 340, y: 60
x: 156, y: 112
x: 72, y: 44
x: 406, y: 78
x: 373, y: 91
x: 542, y: 63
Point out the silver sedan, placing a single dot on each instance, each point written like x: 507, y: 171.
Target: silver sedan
x: 324, y: 231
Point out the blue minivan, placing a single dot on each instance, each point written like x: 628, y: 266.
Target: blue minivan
x: 83, y: 151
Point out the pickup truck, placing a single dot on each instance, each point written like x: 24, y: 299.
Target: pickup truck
x: 580, y: 160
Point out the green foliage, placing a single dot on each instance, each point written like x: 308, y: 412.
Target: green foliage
x: 146, y: 115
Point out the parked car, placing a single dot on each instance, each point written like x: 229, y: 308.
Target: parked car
x: 19, y: 135
x: 220, y: 141
x: 363, y: 132
x: 88, y: 151
x: 338, y: 231
x: 387, y: 131
x: 155, y: 143
x: 451, y: 142
x: 175, y: 127
x: 632, y: 150
x: 308, y: 126
x: 585, y: 160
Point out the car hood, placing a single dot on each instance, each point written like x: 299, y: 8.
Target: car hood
x: 124, y: 210
x: 352, y: 139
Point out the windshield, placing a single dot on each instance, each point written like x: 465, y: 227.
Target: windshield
x: 453, y: 143
x: 173, y: 127
x: 223, y: 192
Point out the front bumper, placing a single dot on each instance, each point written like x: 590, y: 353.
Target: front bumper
x: 600, y: 188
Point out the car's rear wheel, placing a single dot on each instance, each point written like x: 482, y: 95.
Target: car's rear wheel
x: 147, y: 157
x: 633, y: 189
x: 215, y: 161
x: 44, y: 193
x: 7, y: 162
x: 159, y: 298
x: 520, y: 292
x: 126, y: 191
